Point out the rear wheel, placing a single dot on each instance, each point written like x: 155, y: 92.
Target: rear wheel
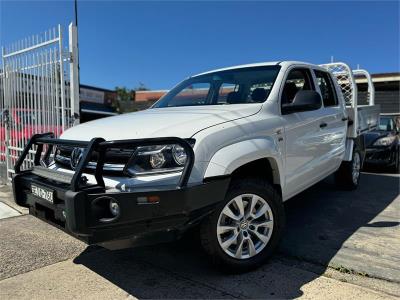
x: 245, y: 229
x: 348, y: 175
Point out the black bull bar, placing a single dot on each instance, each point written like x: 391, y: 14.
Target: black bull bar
x: 100, y: 146
x: 80, y: 208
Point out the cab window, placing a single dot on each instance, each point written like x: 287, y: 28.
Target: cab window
x: 297, y: 80
x: 326, y: 87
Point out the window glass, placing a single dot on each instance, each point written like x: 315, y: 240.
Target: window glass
x: 327, y: 90
x: 193, y: 94
x: 386, y: 124
x: 259, y: 91
x: 297, y: 80
x: 225, y: 90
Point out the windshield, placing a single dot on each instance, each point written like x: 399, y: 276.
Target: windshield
x: 386, y: 124
x: 238, y: 86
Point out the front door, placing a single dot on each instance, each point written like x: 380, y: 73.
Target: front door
x: 304, y: 144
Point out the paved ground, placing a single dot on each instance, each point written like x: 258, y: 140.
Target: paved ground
x: 356, y: 233
x: 7, y: 211
x: 6, y: 197
x: 175, y: 274
x: 356, y: 230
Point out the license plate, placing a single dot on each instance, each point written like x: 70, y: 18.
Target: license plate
x: 43, y: 193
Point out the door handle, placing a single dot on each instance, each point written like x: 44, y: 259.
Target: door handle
x: 323, y: 125
x: 344, y: 119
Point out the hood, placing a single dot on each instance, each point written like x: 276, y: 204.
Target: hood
x: 181, y: 122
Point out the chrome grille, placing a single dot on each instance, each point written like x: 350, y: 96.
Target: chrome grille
x: 115, y: 159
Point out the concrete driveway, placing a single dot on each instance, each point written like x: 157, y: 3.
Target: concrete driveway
x: 358, y: 231
x: 337, y: 245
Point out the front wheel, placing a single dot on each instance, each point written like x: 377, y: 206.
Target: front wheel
x: 245, y: 229
x: 348, y: 175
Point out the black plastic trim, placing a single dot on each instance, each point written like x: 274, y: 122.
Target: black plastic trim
x: 77, y: 213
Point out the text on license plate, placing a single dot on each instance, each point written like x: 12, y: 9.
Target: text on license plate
x: 42, y: 193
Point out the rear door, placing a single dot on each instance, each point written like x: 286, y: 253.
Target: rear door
x: 334, y: 128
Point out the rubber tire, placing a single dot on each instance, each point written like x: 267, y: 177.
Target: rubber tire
x: 208, y: 227
x: 344, y: 176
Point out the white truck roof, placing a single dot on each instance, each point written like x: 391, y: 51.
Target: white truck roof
x: 261, y: 64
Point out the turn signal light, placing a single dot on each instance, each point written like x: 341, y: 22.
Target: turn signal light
x: 148, y: 200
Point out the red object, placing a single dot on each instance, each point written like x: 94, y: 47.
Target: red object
x: 24, y: 123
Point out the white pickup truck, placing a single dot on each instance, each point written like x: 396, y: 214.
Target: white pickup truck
x: 223, y: 150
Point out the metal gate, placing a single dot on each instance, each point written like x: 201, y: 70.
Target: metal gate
x: 39, y: 89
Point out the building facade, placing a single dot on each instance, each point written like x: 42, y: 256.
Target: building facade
x: 387, y: 91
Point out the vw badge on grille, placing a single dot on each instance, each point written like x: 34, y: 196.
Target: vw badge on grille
x: 76, y: 156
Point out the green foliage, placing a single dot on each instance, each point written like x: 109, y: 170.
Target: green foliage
x: 125, y: 98
x: 123, y: 94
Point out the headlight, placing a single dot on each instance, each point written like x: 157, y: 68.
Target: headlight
x: 179, y: 154
x: 385, y: 141
x: 157, y: 159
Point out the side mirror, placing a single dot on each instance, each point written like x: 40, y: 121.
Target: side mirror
x: 303, y: 101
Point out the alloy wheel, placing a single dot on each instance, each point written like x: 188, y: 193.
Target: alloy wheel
x: 356, y: 167
x: 245, y: 226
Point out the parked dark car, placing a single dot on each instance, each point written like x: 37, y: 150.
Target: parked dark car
x: 383, y: 146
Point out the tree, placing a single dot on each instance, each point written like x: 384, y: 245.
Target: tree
x: 141, y: 87
x: 123, y: 93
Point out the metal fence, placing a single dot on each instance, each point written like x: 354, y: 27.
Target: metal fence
x: 3, y: 166
x: 40, y: 92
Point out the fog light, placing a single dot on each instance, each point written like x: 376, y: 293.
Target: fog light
x: 114, y: 208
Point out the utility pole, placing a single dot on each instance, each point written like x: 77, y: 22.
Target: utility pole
x: 77, y: 43
x: 76, y: 12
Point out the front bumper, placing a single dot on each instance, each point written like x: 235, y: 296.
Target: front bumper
x: 82, y: 210
x: 78, y: 213
x: 381, y: 156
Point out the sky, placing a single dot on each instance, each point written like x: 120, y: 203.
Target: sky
x: 122, y: 43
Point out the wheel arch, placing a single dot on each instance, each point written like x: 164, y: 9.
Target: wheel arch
x: 264, y: 168
x: 250, y: 158
x: 355, y: 144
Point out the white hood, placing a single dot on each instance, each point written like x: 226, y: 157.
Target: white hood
x: 181, y: 122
